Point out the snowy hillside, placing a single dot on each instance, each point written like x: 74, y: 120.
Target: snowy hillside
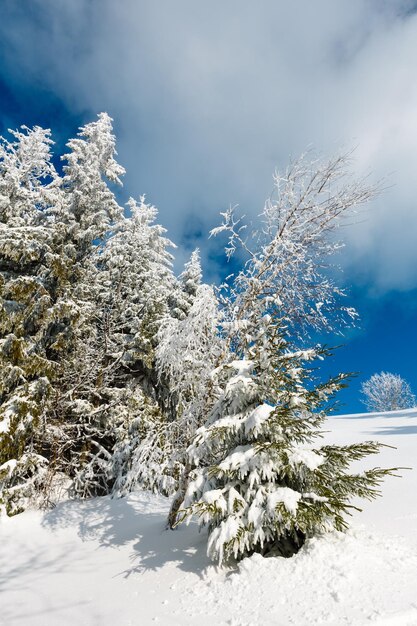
x: 111, y: 562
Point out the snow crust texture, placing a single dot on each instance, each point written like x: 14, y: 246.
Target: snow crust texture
x: 108, y: 561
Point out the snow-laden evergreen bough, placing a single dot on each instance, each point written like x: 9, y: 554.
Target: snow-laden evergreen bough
x: 132, y: 281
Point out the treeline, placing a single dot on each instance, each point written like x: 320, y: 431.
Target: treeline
x: 115, y: 374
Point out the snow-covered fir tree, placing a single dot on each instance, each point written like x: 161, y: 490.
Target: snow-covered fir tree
x: 50, y: 230
x: 149, y: 338
x: 188, y: 351
x: 190, y: 279
x: 28, y: 180
x: 91, y: 207
x: 192, y: 274
x: 137, y: 265
x: 134, y: 287
x: 29, y: 268
x: 260, y: 481
x: 85, y: 219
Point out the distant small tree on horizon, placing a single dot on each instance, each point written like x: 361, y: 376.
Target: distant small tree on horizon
x: 387, y: 392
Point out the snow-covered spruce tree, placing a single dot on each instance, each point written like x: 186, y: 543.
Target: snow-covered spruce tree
x: 90, y: 207
x: 192, y: 274
x: 29, y: 273
x: 134, y: 288
x: 138, y: 275
x: 126, y: 448
x: 261, y: 480
x: 387, y: 392
x: 144, y: 455
x: 190, y: 279
x: 164, y: 336
x: 133, y: 282
x: 187, y: 352
x: 85, y: 219
x: 51, y: 229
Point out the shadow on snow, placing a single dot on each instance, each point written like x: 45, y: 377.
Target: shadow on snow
x: 134, y: 520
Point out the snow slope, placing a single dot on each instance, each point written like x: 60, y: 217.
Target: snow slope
x: 111, y: 562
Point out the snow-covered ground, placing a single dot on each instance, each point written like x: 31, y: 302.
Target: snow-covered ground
x: 111, y: 562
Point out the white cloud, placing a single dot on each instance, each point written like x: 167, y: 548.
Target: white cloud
x: 209, y: 98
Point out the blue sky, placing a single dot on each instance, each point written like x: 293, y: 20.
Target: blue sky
x: 209, y: 98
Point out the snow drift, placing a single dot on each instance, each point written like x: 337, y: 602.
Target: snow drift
x: 111, y: 561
